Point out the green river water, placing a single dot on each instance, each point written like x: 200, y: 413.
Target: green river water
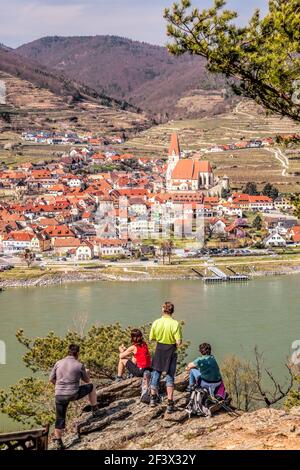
x: 232, y: 317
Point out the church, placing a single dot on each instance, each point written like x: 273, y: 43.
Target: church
x: 187, y: 174
x: 190, y: 174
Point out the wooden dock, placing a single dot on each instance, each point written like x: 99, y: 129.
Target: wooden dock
x: 217, y: 280
x: 220, y: 276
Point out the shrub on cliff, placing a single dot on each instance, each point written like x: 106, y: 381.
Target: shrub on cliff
x: 240, y: 380
x: 31, y: 400
x: 293, y: 397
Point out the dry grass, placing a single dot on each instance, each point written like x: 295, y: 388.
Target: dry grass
x: 246, y: 122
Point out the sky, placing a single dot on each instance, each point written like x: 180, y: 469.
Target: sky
x: 23, y: 21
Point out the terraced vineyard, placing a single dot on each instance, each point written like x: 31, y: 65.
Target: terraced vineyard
x: 247, y: 121
x: 32, y: 107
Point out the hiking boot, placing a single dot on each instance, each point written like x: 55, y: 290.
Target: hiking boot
x: 170, y: 406
x: 95, y: 410
x: 153, y: 400
x: 58, y: 444
x: 118, y: 378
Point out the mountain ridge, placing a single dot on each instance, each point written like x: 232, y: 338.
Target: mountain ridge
x: 37, y: 98
x: 146, y: 75
x: 14, y: 64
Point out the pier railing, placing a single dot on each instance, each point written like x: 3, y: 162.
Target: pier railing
x: 35, y: 439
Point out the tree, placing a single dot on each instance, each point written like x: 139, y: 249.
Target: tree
x: 270, y: 395
x: 29, y: 257
x: 295, y: 200
x: 267, y: 188
x: 270, y: 191
x: 257, y: 223
x: 250, y: 383
x: 251, y: 189
x: 239, y: 378
x: 31, y: 399
x: 166, y: 248
x: 293, y: 397
x: 225, y: 193
x: 260, y: 60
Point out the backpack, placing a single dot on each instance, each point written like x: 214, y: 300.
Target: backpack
x: 145, y: 396
x: 201, y: 403
x: 196, y: 403
x: 146, y: 392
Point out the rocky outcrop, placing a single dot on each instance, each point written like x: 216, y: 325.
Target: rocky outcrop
x: 123, y: 422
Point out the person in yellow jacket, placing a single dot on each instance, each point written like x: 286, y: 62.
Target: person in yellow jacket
x: 167, y: 333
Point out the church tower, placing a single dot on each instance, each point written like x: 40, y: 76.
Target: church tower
x: 173, y: 157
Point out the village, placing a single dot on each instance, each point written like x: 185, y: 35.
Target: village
x: 95, y: 203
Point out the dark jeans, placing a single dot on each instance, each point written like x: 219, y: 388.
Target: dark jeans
x: 62, y: 402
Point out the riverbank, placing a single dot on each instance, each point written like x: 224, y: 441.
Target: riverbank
x: 34, y: 277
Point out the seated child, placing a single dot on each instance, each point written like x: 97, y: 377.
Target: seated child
x: 204, y: 371
x: 136, y: 359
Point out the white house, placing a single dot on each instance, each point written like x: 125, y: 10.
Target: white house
x: 84, y: 251
x: 18, y: 242
x: 74, y: 183
x: 110, y: 247
x: 218, y: 227
x: 282, y: 203
x: 138, y: 227
x: 274, y: 239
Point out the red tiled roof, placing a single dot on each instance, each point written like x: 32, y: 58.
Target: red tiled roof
x: 69, y: 243
x: 19, y: 236
x: 40, y: 174
x: 59, y: 231
x: 189, y: 169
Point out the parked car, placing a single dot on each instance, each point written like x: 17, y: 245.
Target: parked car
x: 144, y: 258
x: 7, y: 267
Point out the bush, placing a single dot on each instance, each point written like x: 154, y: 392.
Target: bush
x: 293, y: 397
x: 240, y: 381
x: 31, y: 400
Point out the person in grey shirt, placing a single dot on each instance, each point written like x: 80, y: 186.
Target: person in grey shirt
x: 66, y: 376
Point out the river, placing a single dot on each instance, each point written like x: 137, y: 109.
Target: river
x: 232, y: 317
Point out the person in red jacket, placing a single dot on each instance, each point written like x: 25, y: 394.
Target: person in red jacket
x: 136, y: 359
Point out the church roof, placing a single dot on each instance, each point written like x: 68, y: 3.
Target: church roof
x: 190, y: 169
x: 174, y: 148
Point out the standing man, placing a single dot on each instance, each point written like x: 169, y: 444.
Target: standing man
x: 167, y: 333
x: 66, y: 376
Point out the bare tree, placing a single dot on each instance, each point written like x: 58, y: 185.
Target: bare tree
x: 166, y: 249
x: 80, y: 322
x: 29, y: 257
x: 239, y: 379
x: 278, y: 392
